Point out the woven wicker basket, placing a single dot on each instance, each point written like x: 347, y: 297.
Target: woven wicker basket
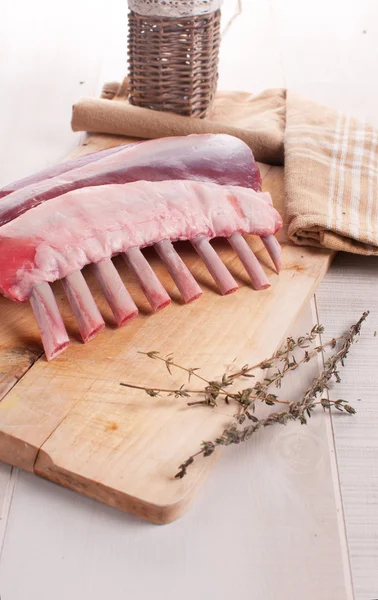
x: 173, y: 62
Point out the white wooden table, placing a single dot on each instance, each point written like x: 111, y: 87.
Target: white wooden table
x: 294, y: 513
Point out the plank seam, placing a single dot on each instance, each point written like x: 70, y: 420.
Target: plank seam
x: 17, y: 379
x: 52, y: 433
x: 13, y: 477
x: 335, y: 467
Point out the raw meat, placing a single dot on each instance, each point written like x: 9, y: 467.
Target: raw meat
x: 87, y: 225
x: 59, y: 169
x: 55, y: 240
x: 222, y: 159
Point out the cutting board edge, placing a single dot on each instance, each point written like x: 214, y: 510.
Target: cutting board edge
x: 158, y: 514
x: 35, y: 459
x: 17, y: 453
x: 45, y: 467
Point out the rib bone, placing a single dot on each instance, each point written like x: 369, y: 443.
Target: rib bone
x: 119, y: 299
x: 87, y: 315
x: 151, y: 286
x: 218, y: 270
x: 274, y: 249
x: 252, y: 266
x: 53, y: 332
x: 187, y: 285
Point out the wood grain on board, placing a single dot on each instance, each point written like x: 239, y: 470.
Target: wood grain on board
x: 71, y: 422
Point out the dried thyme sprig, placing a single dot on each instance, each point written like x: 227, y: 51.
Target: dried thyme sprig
x: 297, y: 410
x: 283, y: 354
x: 169, y: 362
x: 246, y: 397
x: 211, y: 391
x: 182, y: 392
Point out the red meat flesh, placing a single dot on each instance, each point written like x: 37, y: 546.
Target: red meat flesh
x: 220, y: 159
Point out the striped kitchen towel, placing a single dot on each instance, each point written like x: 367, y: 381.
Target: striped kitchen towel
x: 331, y: 178
x: 330, y: 159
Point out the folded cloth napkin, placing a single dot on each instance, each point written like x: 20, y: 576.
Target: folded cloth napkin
x: 331, y: 160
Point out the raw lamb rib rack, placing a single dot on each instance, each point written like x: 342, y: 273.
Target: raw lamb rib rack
x: 118, y: 201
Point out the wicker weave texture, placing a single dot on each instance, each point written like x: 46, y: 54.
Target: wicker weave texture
x: 173, y: 63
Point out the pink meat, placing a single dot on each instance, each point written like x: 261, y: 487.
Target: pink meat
x: 25, y: 255
x: 91, y: 224
x: 222, y: 159
x: 59, y: 169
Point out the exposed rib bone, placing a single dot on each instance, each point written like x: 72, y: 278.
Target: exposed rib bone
x: 187, y: 285
x: 119, y: 299
x: 217, y: 268
x: 53, y: 333
x: 151, y: 286
x: 274, y: 249
x: 87, y: 315
x: 251, y: 264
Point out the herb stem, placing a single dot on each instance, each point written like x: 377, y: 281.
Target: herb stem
x: 243, y: 371
x: 173, y: 364
x: 177, y: 391
x: 155, y: 389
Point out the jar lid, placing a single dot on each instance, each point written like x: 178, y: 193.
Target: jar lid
x: 174, y: 8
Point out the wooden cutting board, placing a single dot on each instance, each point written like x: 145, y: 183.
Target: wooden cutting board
x: 71, y: 422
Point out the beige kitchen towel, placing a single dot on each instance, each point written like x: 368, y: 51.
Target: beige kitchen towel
x: 259, y: 123
x: 330, y: 159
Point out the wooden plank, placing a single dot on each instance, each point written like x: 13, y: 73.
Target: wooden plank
x: 8, y: 479
x: 352, y: 285
x: 266, y: 524
x: 336, y: 69
x: 57, y: 420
